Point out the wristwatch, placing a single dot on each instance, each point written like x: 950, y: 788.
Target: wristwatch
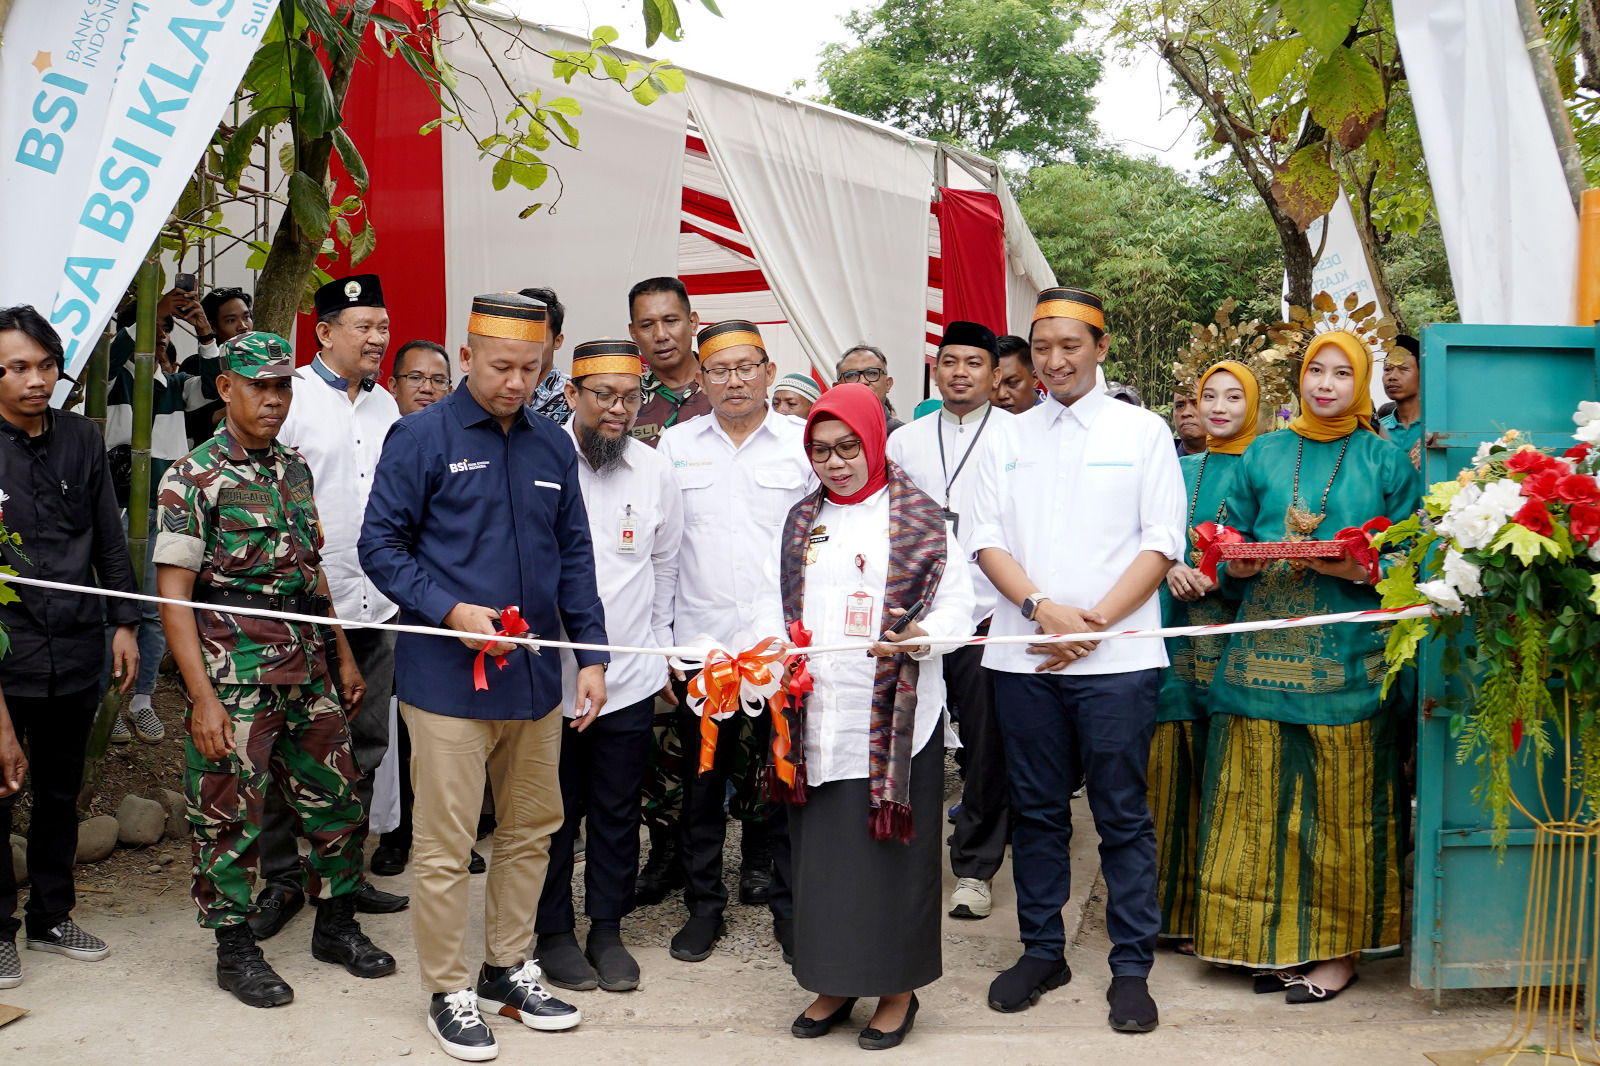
x: 1030, y: 606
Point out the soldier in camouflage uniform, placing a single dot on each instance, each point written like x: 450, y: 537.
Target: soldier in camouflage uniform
x: 238, y: 528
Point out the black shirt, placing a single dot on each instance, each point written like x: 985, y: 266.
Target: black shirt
x: 59, y: 501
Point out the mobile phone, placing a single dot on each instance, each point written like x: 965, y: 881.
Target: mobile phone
x: 186, y: 282
x: 910, y: 616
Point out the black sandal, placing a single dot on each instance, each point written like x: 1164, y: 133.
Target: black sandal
x: 1269, y: 982
x: 1303, y: 991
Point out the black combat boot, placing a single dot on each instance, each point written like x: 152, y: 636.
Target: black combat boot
x: 243, y: 970
x: 663, y: 870
x: 755, y: 865
x: 338, y: 938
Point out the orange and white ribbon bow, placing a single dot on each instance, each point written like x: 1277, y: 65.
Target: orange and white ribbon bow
x: 729, y: 682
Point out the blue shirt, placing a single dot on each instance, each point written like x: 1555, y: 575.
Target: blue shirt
x: 464, y: 512
x: 1405, y: 437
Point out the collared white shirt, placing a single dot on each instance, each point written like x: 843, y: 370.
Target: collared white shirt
x: 969, y: 443
x: 1074, y: 495
x: 839, y: 709
x: 734, y: 502
x: 341, y: 441
x: 638, y: 494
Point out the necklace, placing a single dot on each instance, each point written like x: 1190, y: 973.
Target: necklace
x: 1298, y: 522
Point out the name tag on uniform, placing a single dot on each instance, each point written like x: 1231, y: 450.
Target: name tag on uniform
x: 627, y: 534
x: 954, y: 519
x: 858, y: 615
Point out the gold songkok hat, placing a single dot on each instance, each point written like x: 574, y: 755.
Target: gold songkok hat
x: 723, y: 335
x: 607, y: 357
x: 509, y: 315
x: 1071, y: 303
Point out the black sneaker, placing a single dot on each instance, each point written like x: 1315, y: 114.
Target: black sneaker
x: 10, y: 965
x: 1132, y: 1009
x: 616, y: 969
x: 454, y: 1021
x: 244, y: 971
x: 69, y: 940
x: 516, y: 993
x: 697, y: 939
x: 1020, y: 987
x: 563, y: 963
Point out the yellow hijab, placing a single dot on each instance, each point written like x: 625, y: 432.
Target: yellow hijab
x: 1359, y: 414
x: 1236, y: 444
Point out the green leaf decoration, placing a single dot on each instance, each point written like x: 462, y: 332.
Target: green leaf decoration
x: 1306, y: 187
x: 1325, y: 23
x: 1347, y: 97
x: 1440, y: 496
x: 1401, y: 649
x: 1524, y: 543
x: 308, y: 200
x: 1399, y: 588
x: 1594, y: 593
x: 1273, y: 63
x: 350, y: 159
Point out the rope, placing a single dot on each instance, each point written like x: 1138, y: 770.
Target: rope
x: 535, y: 643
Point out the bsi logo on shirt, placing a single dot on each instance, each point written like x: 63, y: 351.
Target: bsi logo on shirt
x: 468, y: 464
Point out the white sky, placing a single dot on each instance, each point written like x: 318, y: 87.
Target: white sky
x: 768, y: 44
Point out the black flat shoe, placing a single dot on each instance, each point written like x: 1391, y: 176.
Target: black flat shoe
x: 1302, y: 990
x: 1132, y: 1008
x: 698, y: 938
x: 811, y: 1028
x: 1021, y: 986
x: 274, y: 907
x: 562, y: 961
x: 370, y: 899
x: 616, y: 969
x: 1269, y: 982
x: 476, y: 864
x: 878, y: 1040
x: 389, y: 861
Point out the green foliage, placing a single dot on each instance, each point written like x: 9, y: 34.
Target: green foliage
x: 998, y: 77
x: 1161, y: 249
x: 1323, y: 22
x: 1347, y: 96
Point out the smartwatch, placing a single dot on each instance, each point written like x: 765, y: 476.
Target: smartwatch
x: 1030, y: 606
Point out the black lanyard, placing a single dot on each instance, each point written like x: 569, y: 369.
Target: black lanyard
x: 949, y: 478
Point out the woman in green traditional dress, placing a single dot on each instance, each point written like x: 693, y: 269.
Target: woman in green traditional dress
x: 1228, y: 396
x: 1300, y: 840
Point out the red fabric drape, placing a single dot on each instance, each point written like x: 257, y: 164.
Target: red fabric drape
x: 972, y: 245
x: 385, y: 107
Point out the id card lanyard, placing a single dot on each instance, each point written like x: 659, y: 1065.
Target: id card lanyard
x: 949, y: 478
x: 627, y: 533
x: 858, y: 605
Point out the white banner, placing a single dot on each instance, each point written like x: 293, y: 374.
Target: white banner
x: 1342, y: 269
x: 1509, y: 228
x: 180, y: 64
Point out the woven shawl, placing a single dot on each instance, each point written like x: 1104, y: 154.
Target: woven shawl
x: 916, y: 564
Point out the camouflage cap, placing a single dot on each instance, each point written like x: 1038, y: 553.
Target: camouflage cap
x: 258, y: 355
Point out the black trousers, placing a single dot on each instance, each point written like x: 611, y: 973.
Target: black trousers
x: 55, y: 730
x: 703, y: 828
x: 983, y: 824
x: 369, y: 742
x: 602, y: 772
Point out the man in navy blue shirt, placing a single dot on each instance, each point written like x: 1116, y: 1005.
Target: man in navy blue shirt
x: 475, y: 507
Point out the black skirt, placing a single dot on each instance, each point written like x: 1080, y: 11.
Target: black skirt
x: 867, y: 912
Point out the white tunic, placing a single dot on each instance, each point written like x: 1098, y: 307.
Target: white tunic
x: 734, y: 502
x: 1074, y: 495
x: 969, y: 443
x: 839, y: 710
x: 341, y: 441
x: 636, y: 586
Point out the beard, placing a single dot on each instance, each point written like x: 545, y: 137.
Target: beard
x: 602, y: 452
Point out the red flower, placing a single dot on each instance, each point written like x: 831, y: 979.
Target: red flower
x: 1535, y: 516
x: 1579, y: 488
x: 1584, y: 521
x: 1516, y: 735
x: 1533, y: 461
x: 1544, y: 485
x: 1577, y: 453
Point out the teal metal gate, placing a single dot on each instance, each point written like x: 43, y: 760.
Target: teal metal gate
x: 1469, y: 905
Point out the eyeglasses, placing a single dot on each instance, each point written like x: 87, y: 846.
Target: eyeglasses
x: 417, y: 377
x: 606, y: 398
x: 869, y: 375
x: 746, y: 372
x: 845, y: 449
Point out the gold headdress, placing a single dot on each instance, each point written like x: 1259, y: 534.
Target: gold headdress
x: 1326, y: 316
x: 1245, y: 342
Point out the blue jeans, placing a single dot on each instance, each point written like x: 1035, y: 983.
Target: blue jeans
x: 1096, y: 728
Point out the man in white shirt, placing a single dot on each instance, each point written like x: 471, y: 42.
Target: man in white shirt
x: 740, y: 469
x: 636, y: 519
x: 944, y: 456
x: 1080, y: 520
x: 338, y: 423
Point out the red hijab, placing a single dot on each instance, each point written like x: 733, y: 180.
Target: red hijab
x: 859, y: 408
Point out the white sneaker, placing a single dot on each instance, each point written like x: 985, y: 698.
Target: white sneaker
x: 971, y: 899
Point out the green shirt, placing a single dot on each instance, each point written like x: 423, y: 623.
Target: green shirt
x: 1194, y: 660
x: 1321, y: 675
x: 246, y: 521
x: 1407, y: 438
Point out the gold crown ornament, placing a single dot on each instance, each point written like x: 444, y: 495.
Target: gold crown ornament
x: 1243, y: 342
x: 1326, y: 316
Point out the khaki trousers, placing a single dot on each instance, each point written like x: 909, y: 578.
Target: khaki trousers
x: 448, y: 760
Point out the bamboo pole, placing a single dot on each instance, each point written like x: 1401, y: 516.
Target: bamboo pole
x: 96, y: 375
x: 1555, y: 108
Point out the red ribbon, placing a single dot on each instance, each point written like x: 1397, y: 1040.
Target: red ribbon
x: 1209, y: 538
x: 511, y: 625
x: 799, y: 682
x: 719, y: 681
x: 1357, y: 541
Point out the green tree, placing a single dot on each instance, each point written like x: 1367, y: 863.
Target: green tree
x: 1162, y: 250
x: 994, y: 76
